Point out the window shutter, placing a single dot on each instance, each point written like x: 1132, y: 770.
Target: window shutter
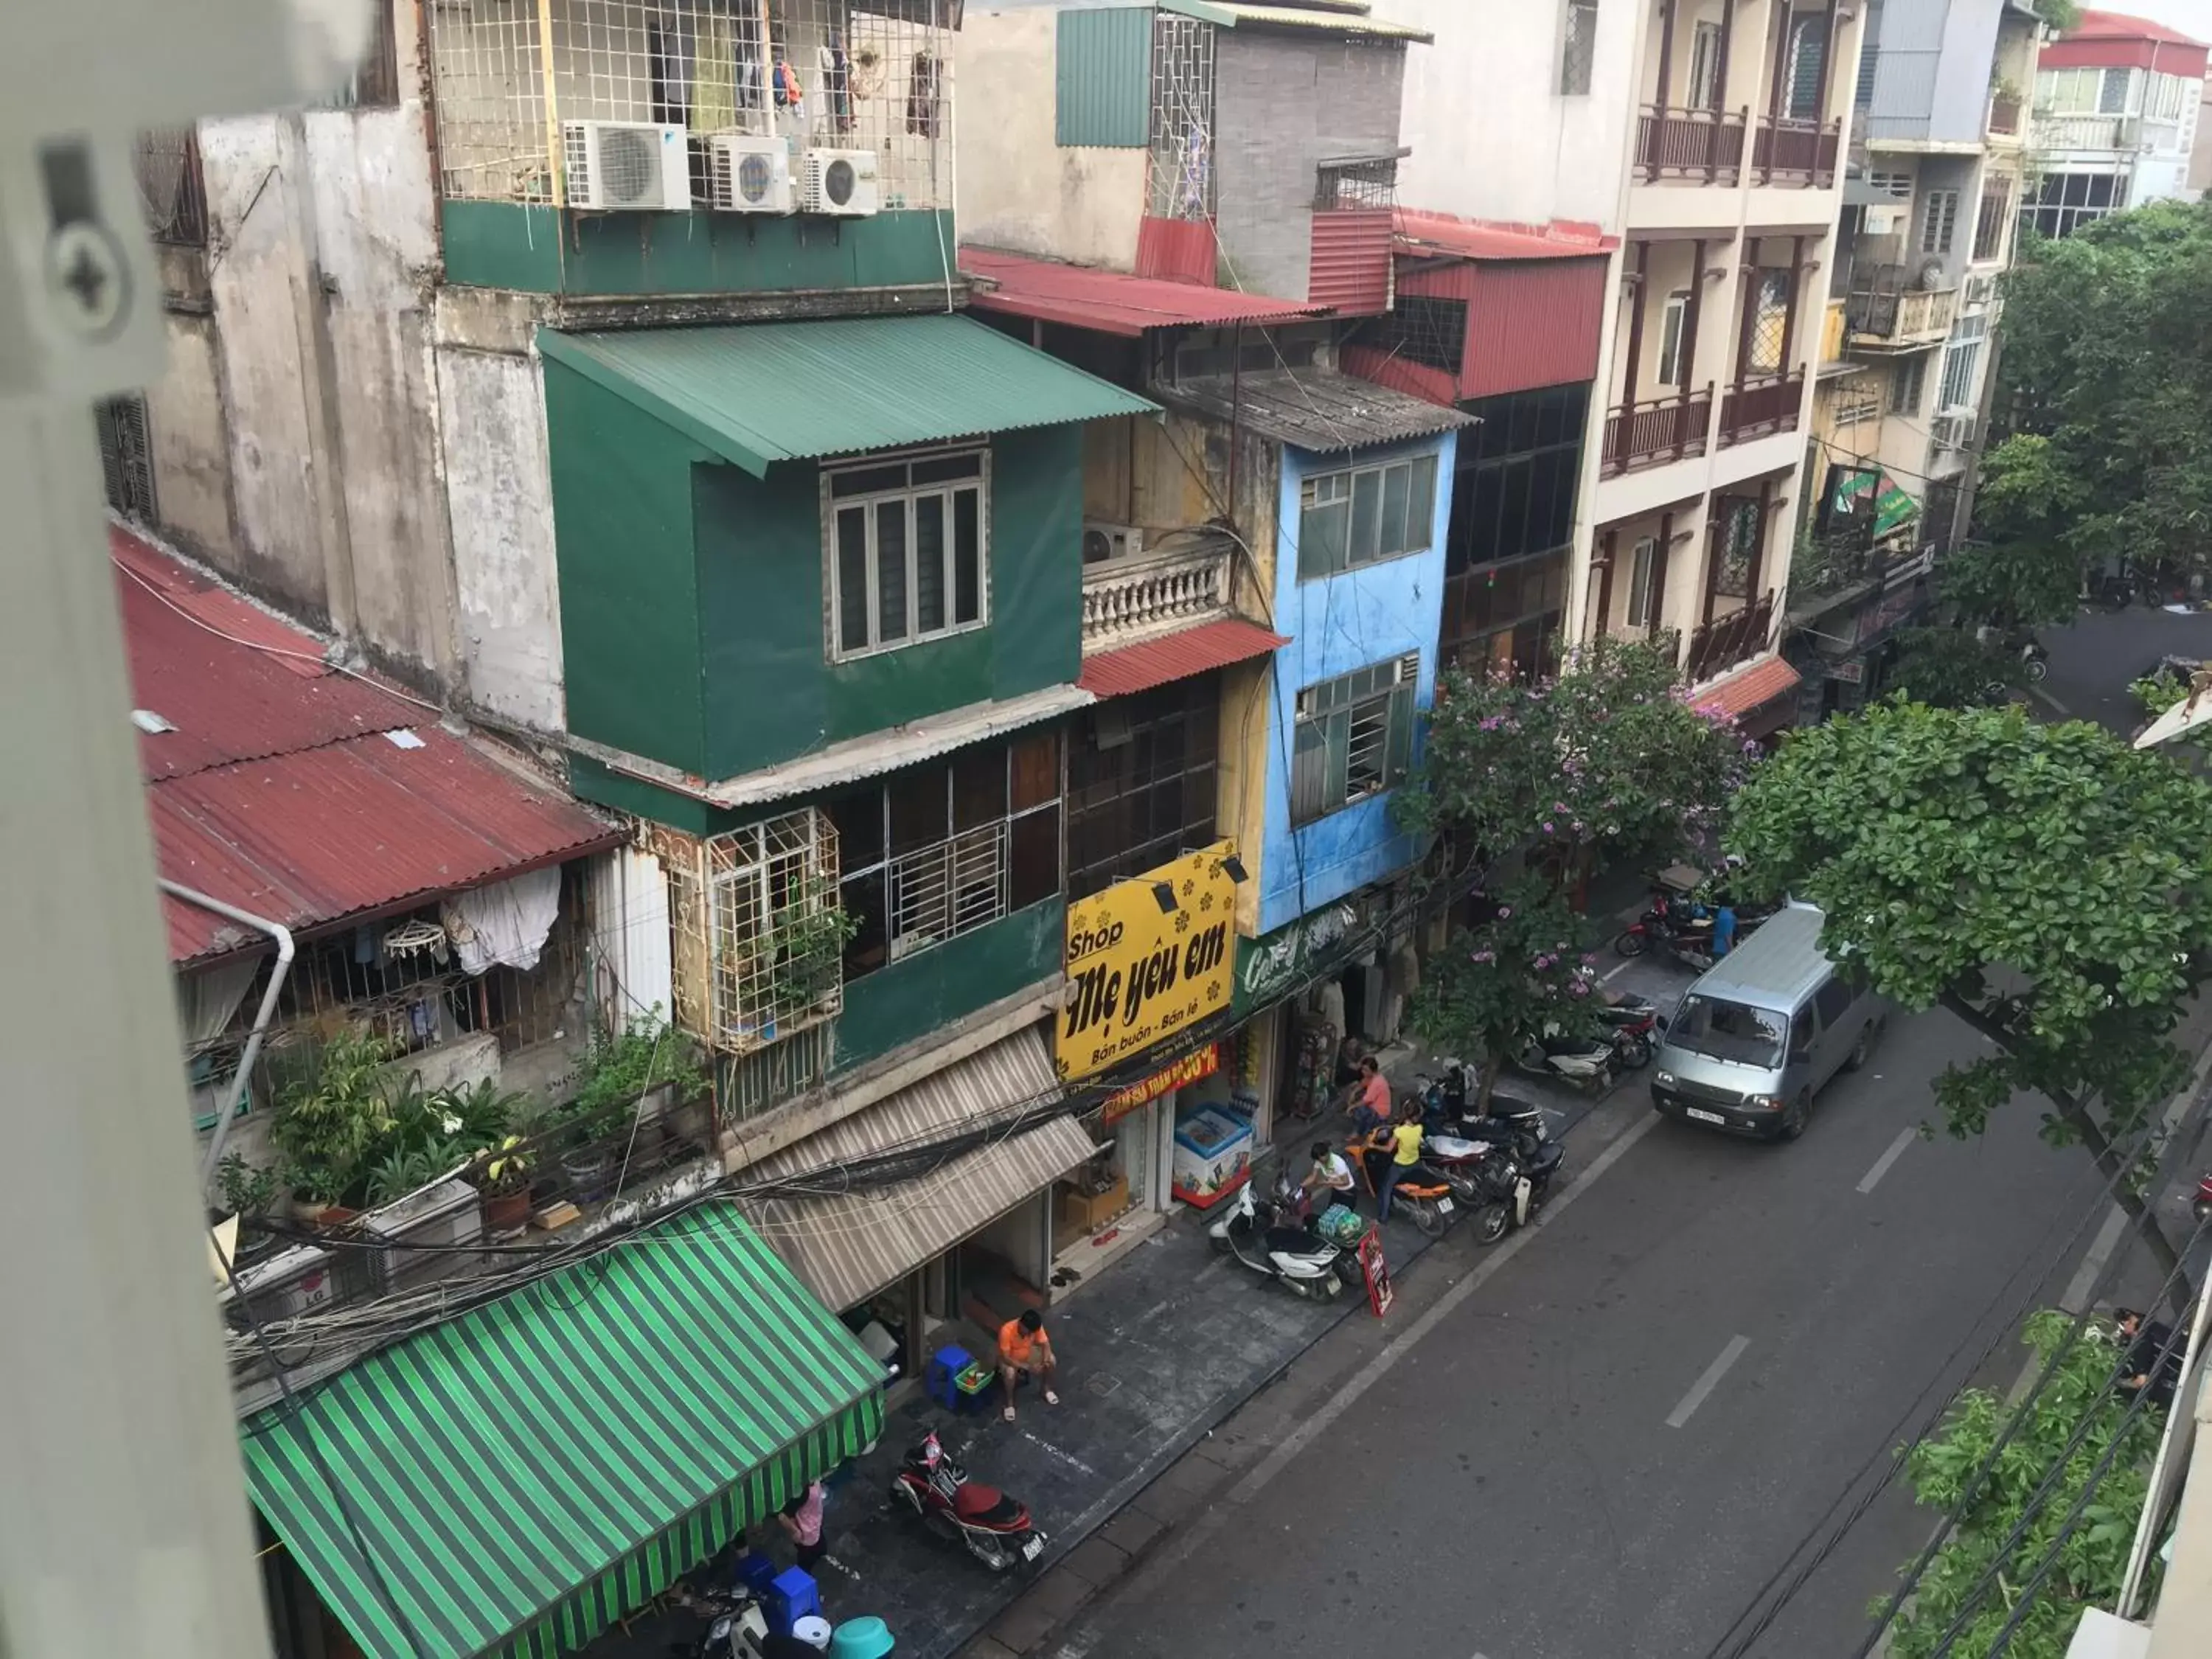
x: 1310, y: 771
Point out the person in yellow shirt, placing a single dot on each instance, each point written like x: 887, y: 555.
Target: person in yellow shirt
x: 1405, y: 1153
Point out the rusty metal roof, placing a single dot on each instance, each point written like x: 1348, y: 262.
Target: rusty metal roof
x: 1111, y: 301
x: 1317, y: 409
x: 1175, y: 657
x: 1421, y: 232
x: 298, y: 793
x: 1750, y: 688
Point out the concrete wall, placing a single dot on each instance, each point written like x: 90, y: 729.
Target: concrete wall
x: 1282, y: 103
x: 188, y: 427
x: 1492, y: 138
x: 1017, y: 188
x: 1338, y: 624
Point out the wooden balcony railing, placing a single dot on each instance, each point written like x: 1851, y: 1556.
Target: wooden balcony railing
x: 1134, y: 599
x: 1720, y: 645
x: 1668, y: 428
x: 1767, y: 402
x: 1910, y: 317
x: 1788, y: 152
x: 1704, y: 146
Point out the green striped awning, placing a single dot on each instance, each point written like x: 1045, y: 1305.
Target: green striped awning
x: 514, y: 1481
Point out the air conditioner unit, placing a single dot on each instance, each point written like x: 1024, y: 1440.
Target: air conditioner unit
x: 839, y: 182
x: 627, y: 164
x: 749, y: 175
x: 1104, y: 543
x: 1980, y: 290
x: 1953, y: 431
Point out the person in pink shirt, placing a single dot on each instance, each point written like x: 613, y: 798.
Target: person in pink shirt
x: 801, y: 1519
x: 1370, y: 1098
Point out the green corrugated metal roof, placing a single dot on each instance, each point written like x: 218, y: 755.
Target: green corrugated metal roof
x: 518, y: 1478
x: 784, y: 392
x: 1325, y: 19
x: 1103, y: 65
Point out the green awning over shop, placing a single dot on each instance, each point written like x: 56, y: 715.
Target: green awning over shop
x: 515, y: 1480
x: 784, y: 392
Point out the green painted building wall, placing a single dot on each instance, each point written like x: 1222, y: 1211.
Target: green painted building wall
x: 544, y: 250
x: 943, y: 985
x: 692, y: 596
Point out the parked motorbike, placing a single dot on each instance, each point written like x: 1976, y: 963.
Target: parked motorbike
x: 1632, y: 1024
x: 1275, y: 1239
x: 2201, y: 1206
x: 2034, y: 661
x: 1586, y: 1062
x: 1523, y: 1127
x: 1486, y: 1177
x: 1422, y: 1192
x: 993, y: 1525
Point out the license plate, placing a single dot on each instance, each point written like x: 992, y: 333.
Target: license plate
x: 1032, y: 1549
x: 1705, y: 1116
x: 1443, y: 1206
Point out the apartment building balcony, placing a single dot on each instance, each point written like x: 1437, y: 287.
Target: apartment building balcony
x: 1764, y: 403
x: 2092, y: 132
x: 1694, y: 146
x: 1720, y: 644
x: 1907, y: 321
x: 1788, y: 152
x: 1655, y: 431
x: 1127, y: 601
x: 2006, y: 115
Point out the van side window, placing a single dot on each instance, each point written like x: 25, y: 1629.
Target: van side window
x: 1831, y: 1000
x: 1804, y: 1026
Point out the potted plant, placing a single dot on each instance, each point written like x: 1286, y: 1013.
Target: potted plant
x: 617, y: 1115
x: 403, y: 1170
x: 807, y: 948
x: 249, y: 1192
x: 501, y: 1174
x: 330, y: 1120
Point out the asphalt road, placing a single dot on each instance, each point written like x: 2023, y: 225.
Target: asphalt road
x: 2093, y: 661
x: 1606, y: 1450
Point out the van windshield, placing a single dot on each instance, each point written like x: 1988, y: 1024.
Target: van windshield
x: 1730, y: 1031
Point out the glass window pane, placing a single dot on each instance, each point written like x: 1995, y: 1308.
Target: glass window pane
x: 890, y: 571
x: 862, y: 896
x: 1513, y: 509
x: 922, y: 809
x: 867, y: 481
x: 853, y: 579
x: 946, y: 467
x: 860, y: 820
x: 929, y: 563
x: 1421, y: 502
x: 1366, y: 495
x: 1035, y: 856
x: 1392, y: 537
x: 1310, y: 773
x: 967, y: 556
x: 1321, y: 540
x: 1035, y: 770
x: 979, y: 786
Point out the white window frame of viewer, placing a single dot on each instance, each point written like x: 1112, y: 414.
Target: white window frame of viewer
x: 832, y: 505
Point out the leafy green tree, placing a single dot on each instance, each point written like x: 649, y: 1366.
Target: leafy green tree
x: 1609, y: 760
x: 2049, y: 885
x: 1951, y: 668
x: 2093, y: 1560
x: 1516, y: 978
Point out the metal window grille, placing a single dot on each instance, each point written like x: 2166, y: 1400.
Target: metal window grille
x: 1770, y: 320
x: 1854, y: 404
x: 1352, y: 738
x: 1899, y: 184
x: 1578, y: 48
x: 1422, y: 328
x: 1939, y: 221
x: 1989, y: 221
x: 126, y: 458
x: 754, y: 1083
x: 756, y: 954
x: 1141, y: 783
x: 1179, y: 166
x: 376, y: 84
x: 815, y: 73
x: 1344, y: 186
x: 1740, y: 523
x: 938, y: 893
x: 172, y: 193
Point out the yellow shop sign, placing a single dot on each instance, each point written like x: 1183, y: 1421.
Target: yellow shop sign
x: 1139, y: 970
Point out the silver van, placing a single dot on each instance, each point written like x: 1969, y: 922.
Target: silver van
x: 1762, y: 1029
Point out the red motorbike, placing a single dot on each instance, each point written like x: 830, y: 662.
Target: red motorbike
x: 2201, y: 1206
x: 993, y: 1525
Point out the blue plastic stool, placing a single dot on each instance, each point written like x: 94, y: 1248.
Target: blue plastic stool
x: 756, y: 1572
x: 791, y: 1595
x: 940, y: 1381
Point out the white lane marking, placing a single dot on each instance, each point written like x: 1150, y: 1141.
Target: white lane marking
x: 2043, y: 697
x: 1905, y: 1138
x: 1051, y: 1451
x: 1706, y: 1384
x: 1605, y: 978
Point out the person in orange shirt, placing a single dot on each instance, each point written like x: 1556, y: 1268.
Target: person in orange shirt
x: 1024, y: 1351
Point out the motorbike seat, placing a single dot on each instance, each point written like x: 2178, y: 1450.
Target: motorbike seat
x: 1292, y: 1241
x: 985, y: 1505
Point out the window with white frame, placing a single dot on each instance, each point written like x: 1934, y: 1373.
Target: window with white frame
x: 1961, y: 356
x: 1365, y: 515
x: 939, y: 850
x: 1899, y: 184
x: 1705, y: 89
x: 909, y: 548
x: 1908, y: 383
x: 1578, y: 48
x: 1643, y: 560
x: 2112, y: 93
x: 2162, y: 100
x: 1353, y: 737
x: 1939, y: 221
x: 1672, y: 322
x: 2068, y: 91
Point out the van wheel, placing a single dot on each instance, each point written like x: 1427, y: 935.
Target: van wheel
x: 1795, y: 1117
x: 1864, y: 1048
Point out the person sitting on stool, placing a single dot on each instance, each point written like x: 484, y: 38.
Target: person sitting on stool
x: 1024, y: 1351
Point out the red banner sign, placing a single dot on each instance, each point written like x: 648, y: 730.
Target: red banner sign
x: 1200, y: 1062
x: 1378, y: 1271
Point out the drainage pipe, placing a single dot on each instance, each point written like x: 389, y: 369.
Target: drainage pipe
x: 266, y: 1013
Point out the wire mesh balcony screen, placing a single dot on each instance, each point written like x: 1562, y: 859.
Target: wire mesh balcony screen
x: 1344, y: 186
x: 1180, y: 167
x: 1421, y: 328
x: 1770, y: 322
x: 815, y: 73
x: 757, y: 952
x: 941, y: 891
x: 172, y: 193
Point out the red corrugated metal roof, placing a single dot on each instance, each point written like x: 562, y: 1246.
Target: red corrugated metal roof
x: 1112, y: 301
x: 1751, y: 688
x: 1475, y: 238
x: 2111, y: 39
x: 282, y: 790
x: 1176, y: 657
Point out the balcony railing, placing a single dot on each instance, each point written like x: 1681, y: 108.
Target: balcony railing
x: 1702, y: 145
x: 1669, y: 428
x: 1910, y: 317
x: 1720, y: 645
x: 2085, y: 131
x: 1134, y: 599
x: 1756, y: 407
x: 1788, y: 152
x: 2004, y: 115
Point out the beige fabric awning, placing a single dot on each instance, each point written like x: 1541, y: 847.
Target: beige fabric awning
x: 847, y: 1245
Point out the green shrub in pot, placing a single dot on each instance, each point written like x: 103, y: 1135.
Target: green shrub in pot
x: 332, y: 1117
